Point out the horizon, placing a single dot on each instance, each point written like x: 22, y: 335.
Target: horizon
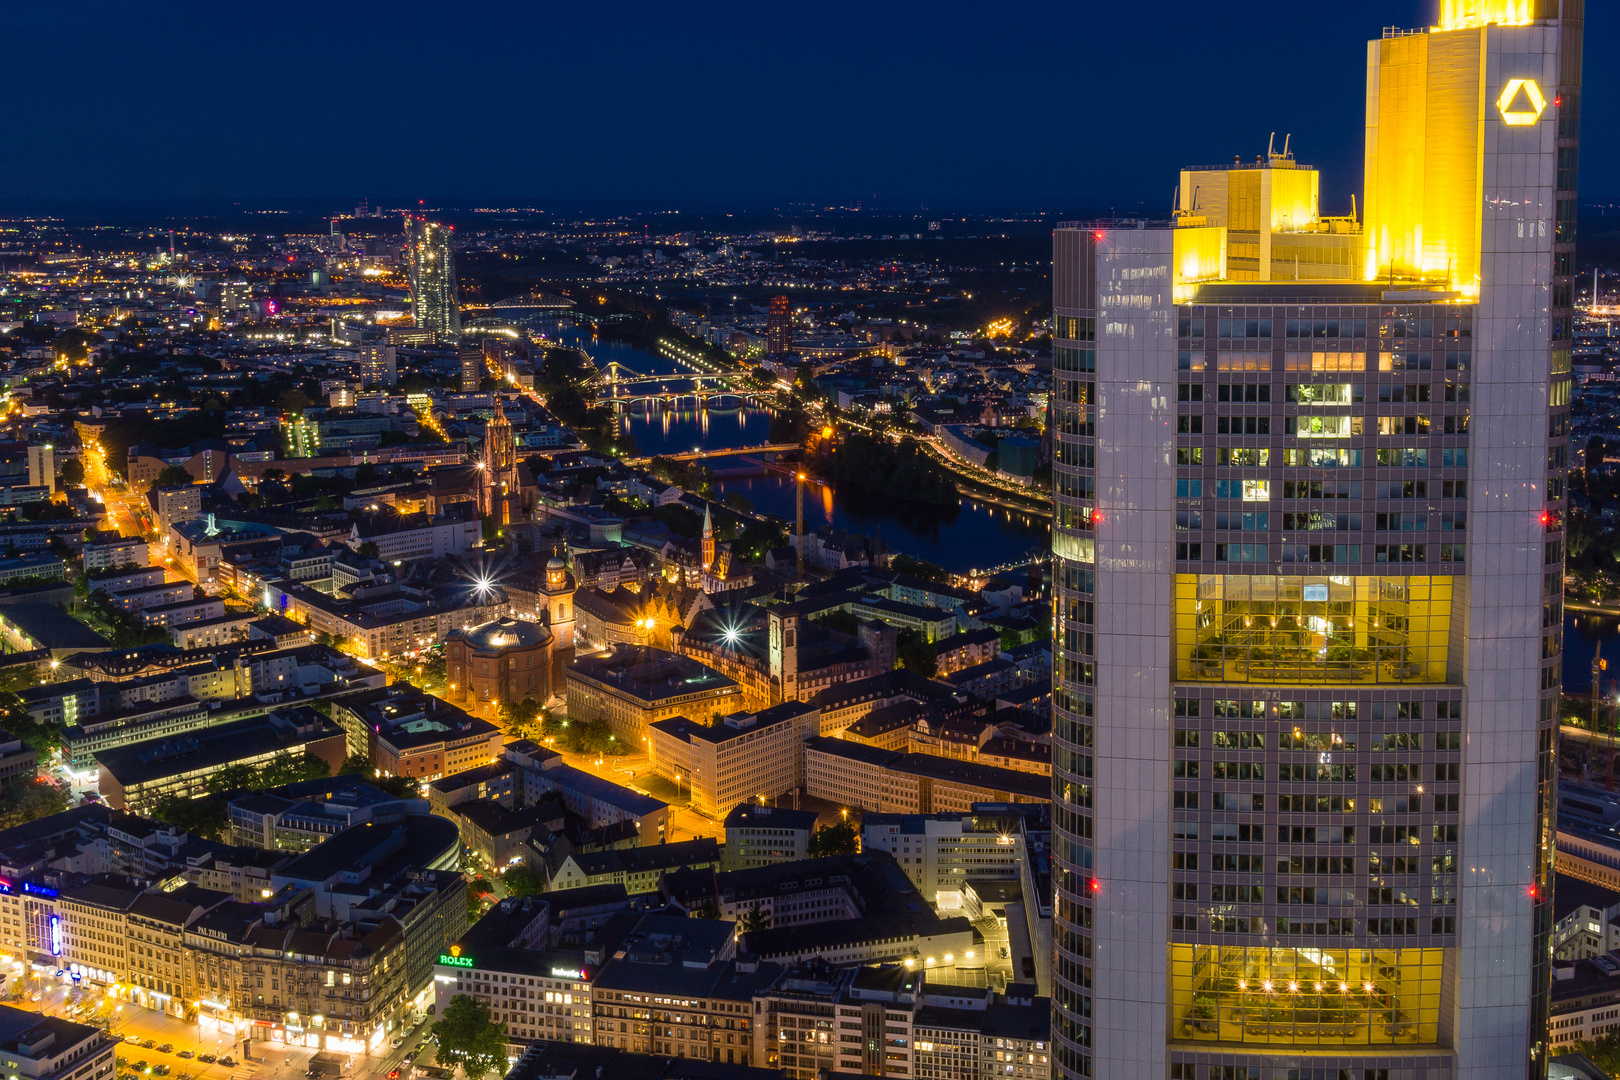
x: 904, y: 105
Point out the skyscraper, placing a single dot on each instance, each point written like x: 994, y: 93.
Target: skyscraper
x: 433, y: 277
x: 1309, y: 540
x: 779, y: 327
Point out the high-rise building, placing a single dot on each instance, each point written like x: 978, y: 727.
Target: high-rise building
x: 1307, y: 675
x: 433, y: 277
x: 472, y: 368
x: 378, y: 366
x: 779, y: 327
x: 42, y: 466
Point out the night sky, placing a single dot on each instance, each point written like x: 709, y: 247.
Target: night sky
x: 1041, y: 104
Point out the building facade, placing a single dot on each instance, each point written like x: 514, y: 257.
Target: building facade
x: 434, y: 304
x: 1307, y: 663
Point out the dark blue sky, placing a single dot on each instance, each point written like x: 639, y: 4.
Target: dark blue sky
x: 1041, y: 103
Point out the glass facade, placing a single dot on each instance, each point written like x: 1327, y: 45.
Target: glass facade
x: 1308, y: 614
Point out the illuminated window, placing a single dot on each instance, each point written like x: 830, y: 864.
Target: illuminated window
x: 1305, y: 996
x: 1264, y: 629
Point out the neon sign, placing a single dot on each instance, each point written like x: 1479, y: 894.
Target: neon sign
x: 56, y: 935
x: 455, y: 961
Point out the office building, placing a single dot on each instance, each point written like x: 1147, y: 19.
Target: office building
x: 779, y: 326
x: 138, y: 776
x: 1307, y: 670
x: 434, y: 306
x: 759, y: 835
x: 633, y: 686
x: 744, y: 757
x: 50, y: 1048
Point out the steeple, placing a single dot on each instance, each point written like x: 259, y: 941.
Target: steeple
x: 708, y: 536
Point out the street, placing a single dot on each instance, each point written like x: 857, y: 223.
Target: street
x: 635, y: 771
x: 269, y: 1061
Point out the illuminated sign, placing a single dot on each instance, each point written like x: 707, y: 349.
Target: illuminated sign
x: 564, y: 973
x: 1316, y: 593
x: 38, y: 890
x: 455, y: 961
x: 1521, y: 103
x: 56, y: 935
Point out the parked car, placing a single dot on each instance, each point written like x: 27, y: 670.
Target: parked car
x: 186, y: 1054
x: 207, y: 1059
x: 160, y: 1070
x: 166, y: 1048
x: 228, y: 1061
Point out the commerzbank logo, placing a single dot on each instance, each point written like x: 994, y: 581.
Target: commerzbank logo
x: 1521, y: 103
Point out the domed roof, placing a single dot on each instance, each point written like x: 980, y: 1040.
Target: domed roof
x: 556, y: 564
x: 507, y: 634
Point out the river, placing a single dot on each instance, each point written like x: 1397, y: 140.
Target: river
x: 969, y: 536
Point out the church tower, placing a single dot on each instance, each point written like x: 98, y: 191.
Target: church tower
x: 499, y: 488
x: 557, y: 599
x: 708, y: 538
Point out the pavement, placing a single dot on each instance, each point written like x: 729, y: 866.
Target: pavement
x: 268, y: 1061
x: 635, y: 771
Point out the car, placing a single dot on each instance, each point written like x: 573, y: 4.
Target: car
x: 166, y: 1048
x: 186, y: 1054
x: 141, y: 1066
x: 393, y: 1074
x: 228, y: 1061
x: 207, y: 1059
x: 397, y: 1041
x: 408, y: 1058
x: 160, y: 1070
x: 150, y: 1044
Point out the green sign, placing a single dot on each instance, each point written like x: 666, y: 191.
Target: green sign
x: 455, y: 961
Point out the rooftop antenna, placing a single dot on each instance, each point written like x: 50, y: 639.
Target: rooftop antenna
x: 1271, y: 144
x: 1286, y: 139
x: 1352, y: 207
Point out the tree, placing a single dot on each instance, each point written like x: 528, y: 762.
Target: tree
x: 916, y: 653
x: 355, y: 765
x: 754, y: 919
x: 209, y: 818
x: 285, y: 768
x: 368, y: 550
x: 1604, y: 1053
x: 400, y: 787
x: 709, y: 910
x: 172, y: 476
x: 521, y: 881
x: 738, y: 502
x: 835, y: 839
x: 469, y: 1038
x: 233, y: 778
x: 522, y: 719
x: 294, y: 401
x: 28, y: 799
x: 73, y: 472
